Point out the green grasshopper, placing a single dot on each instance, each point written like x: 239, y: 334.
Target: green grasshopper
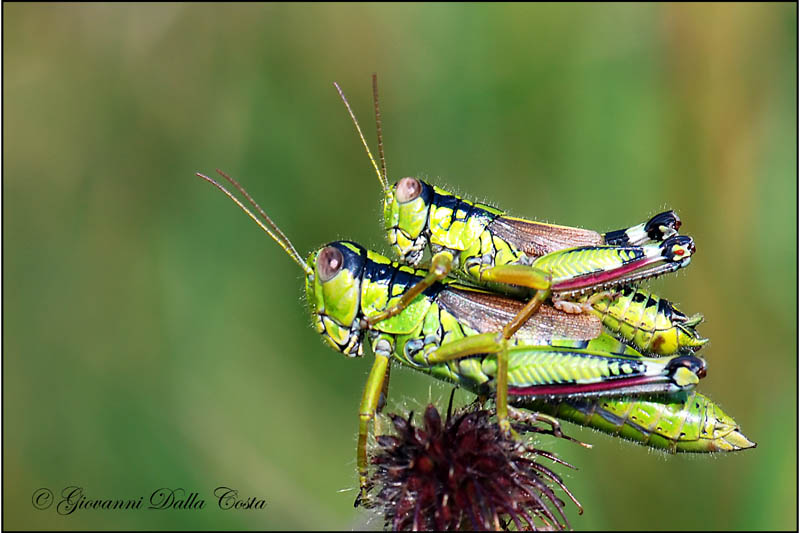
x: 483, y: 245
x: 461, y: 334
x: 417, y: 215
x: 678, y: 423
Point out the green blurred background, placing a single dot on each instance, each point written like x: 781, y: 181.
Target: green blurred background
x: 154, y: 337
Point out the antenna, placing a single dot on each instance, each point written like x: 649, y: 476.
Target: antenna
x: 273, y: 230
x: 381, y: 177
x: 378, y: 127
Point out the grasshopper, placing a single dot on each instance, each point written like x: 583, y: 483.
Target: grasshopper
x: 461, y: 334
x: 678, y: 423
x: 418, y: 215
x: 483, y: 245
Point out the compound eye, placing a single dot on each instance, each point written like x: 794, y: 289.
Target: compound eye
x: 408, y: 189
x: 329, y: 263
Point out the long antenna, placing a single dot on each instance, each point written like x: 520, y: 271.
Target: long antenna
x: 378, y: 127
x: 381, y: 178
x: 273, y: 230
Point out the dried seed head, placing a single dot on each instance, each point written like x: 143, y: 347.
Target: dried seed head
x: 464, y: 474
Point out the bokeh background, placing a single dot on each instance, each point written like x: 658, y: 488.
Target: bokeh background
x: 154, y: 337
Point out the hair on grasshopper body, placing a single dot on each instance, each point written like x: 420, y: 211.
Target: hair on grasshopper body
x: 573, y: 267
x: 464, y: 335
x: 684, y: 422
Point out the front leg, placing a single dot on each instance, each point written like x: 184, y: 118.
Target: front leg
x: 384, y: 397
x: 441, y: 265
x: 366, y: 412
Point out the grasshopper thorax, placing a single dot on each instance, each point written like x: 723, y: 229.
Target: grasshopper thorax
x: 333, y: 291
x: 405, y: 216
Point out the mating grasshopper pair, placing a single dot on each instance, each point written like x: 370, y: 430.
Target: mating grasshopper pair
x: 455, y: 321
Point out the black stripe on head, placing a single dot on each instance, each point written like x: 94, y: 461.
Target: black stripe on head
x: 408, y: 280
x: 475, y: 211
x: 391, y: 274
x: 427, y: 193
x: 443, y: 200
x: 382, y: 273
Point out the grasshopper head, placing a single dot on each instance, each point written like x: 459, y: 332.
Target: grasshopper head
x: 405, y: 217
x: 333, y: 291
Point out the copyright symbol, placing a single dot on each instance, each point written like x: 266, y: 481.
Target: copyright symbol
x: 42, y: 499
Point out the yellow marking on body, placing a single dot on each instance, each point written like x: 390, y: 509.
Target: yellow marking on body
x: 441, y: 217
x: 447, y: 193
x: 422, y: 273
x: 560, y: 369
x: 660, y: 321
x: 374, y: 297
x: 378, y: 258
x: 456, y: 231
x: 595, y: 369
x: 535, y: 375
x: 490, y: 209
x: 603, y: 369
x: 350, y: 246
x: 403, y: 242
x: 503, y: 253
x: 684, y: 377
